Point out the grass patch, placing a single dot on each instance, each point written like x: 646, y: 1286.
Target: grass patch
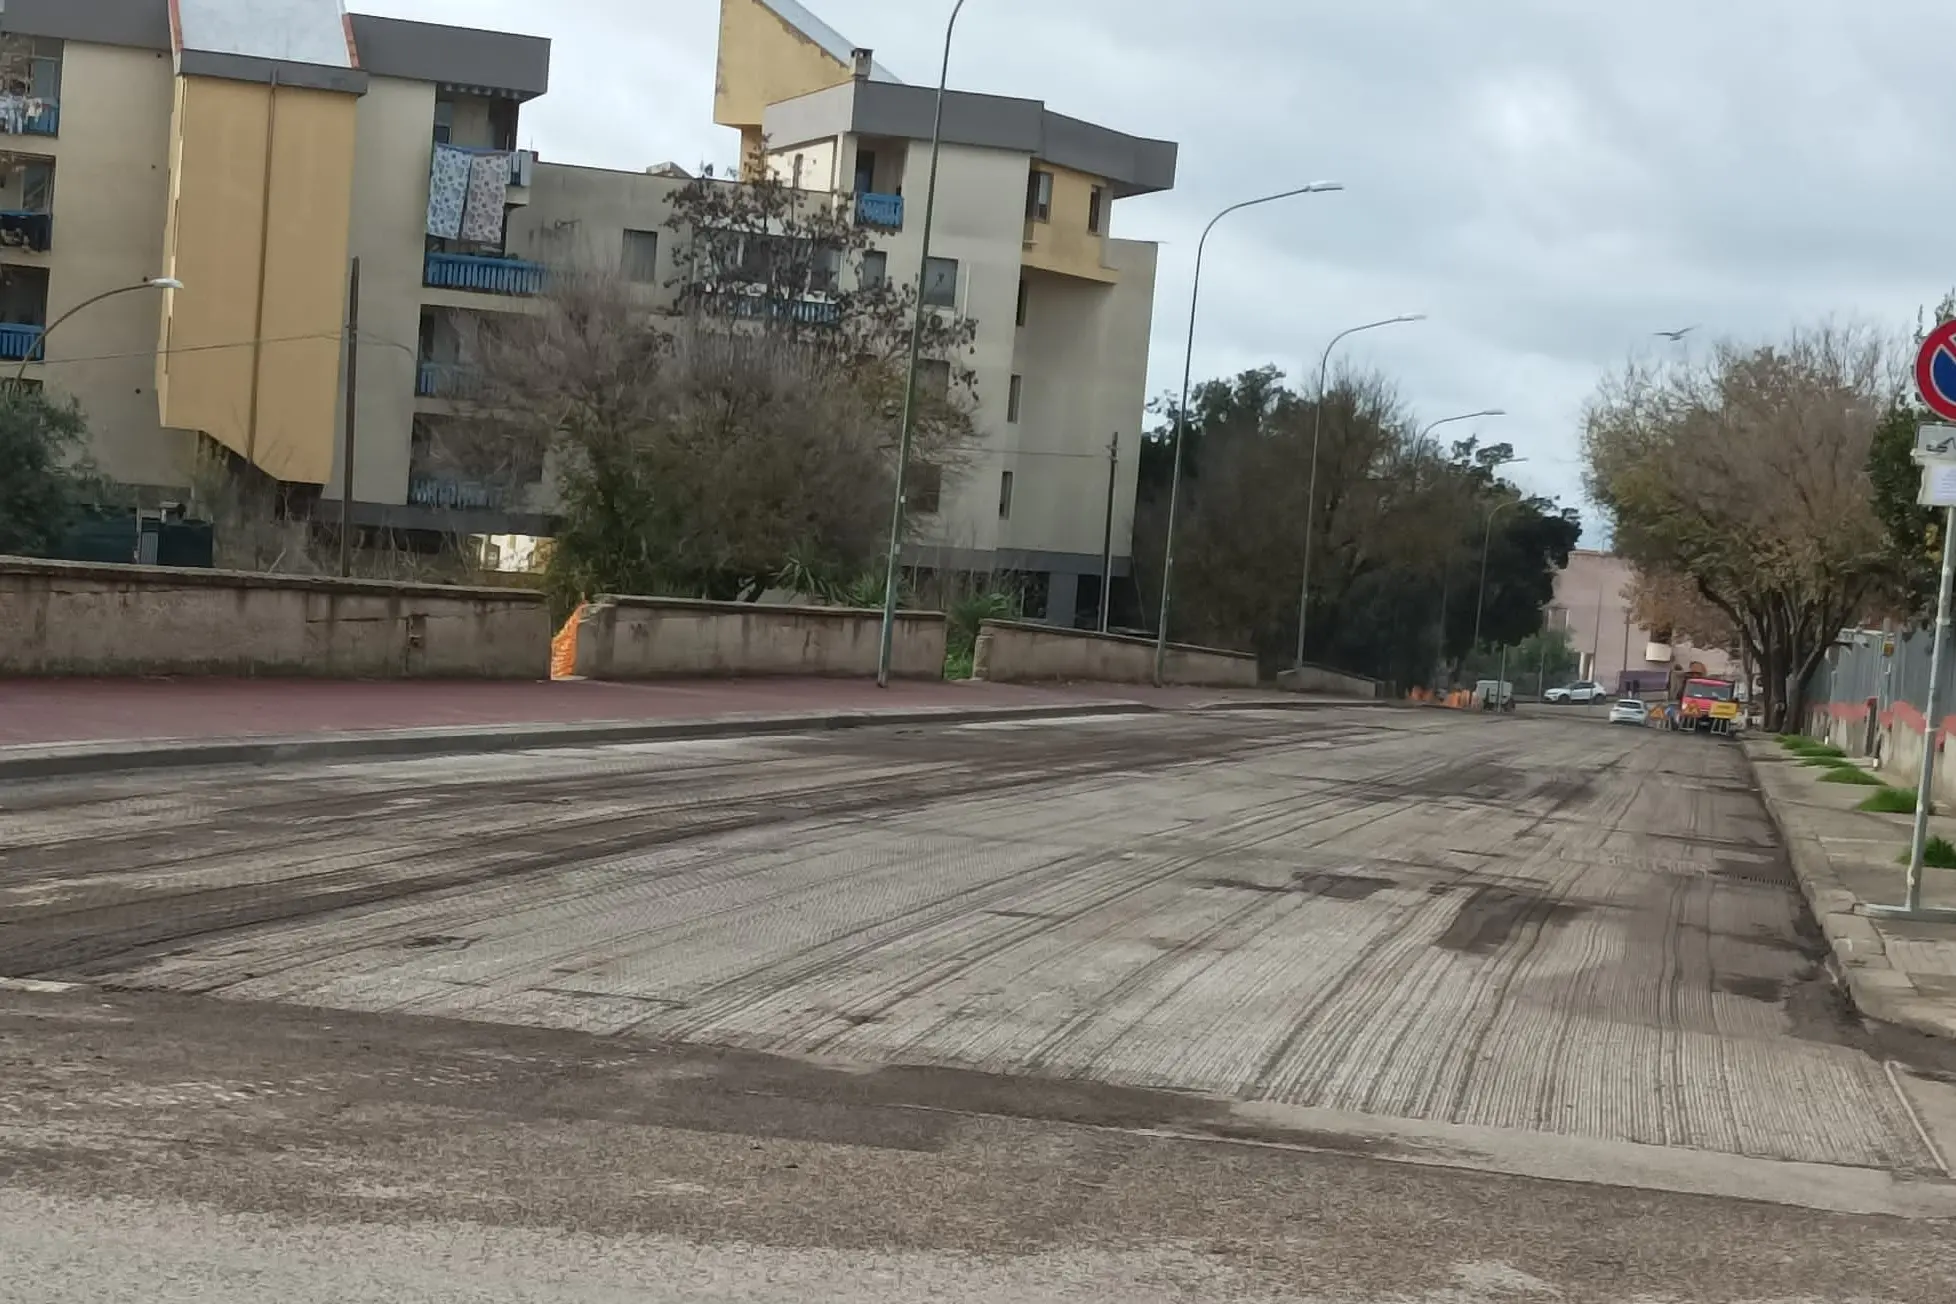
x: 1854, y: 775
x: 1937, y: 853
x: 1889, y: 801
x: 1811, y: 748
x: 1827, y: 762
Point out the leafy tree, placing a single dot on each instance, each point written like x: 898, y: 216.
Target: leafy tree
x: 46, y: 476
x: 1748, y: 476
x: 1395, y: 532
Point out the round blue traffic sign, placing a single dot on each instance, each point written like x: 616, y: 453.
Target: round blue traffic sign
x: 1935, y: 371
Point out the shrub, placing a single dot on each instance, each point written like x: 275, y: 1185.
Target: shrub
x: 1937, y: 853
x: 1889, y: 801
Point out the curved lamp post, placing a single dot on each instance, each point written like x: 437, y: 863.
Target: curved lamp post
x: 41, y: 346
x: 910, y: 373
x: 1182, y: 412
x: 1311, y: 489
x: 1447, y: 421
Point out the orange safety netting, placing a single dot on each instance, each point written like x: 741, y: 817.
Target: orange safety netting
x: 563, y: 647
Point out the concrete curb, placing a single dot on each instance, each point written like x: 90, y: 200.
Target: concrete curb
x: 66, y: 760
x: 1858, y: 955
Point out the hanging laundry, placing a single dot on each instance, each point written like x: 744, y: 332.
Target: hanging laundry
x: 33, y: 231
x: 16, y: 111
x: 482, y: 219
x: 448, y: 191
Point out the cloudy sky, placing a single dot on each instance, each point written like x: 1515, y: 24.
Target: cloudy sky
x: 1552, y: 181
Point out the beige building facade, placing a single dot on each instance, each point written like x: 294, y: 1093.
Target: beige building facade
x: 1592, y: 602
x: 203, y: 151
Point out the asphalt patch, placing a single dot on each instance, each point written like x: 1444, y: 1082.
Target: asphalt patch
x: 1337, y: 887
x: 1491, y: 915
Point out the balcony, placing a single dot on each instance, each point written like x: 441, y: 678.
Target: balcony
x: 23, y: 115
x: 26, y: 229
x: 18, y: 342
x: 885, y: 211
x: 806, y: 311
x: 444, y: 380
x: 484, y: 275
x: 451, y: 493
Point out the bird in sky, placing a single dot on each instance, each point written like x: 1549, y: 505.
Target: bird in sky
x: 1677, y: 337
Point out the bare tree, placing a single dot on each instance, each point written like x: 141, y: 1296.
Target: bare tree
x: 688, y: 458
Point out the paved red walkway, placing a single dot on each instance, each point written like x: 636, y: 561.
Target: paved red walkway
x: 78, y: 710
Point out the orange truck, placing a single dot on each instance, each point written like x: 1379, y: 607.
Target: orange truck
x: 1708, y: 705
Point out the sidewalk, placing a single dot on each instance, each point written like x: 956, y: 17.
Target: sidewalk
x: 71, y: 726
x: 1898, y: 973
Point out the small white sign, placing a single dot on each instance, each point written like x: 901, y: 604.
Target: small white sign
x: 1938, y: 485
x: 1933, y: 442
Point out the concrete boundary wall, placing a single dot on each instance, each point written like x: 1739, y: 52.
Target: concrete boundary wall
x: 1014, y: 652
x: 623, y: 637
x: 71, y: 618
x: 1323, y: 679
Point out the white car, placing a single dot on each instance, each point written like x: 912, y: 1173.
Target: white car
x: 1584, y: 693
x: 1630, y: 710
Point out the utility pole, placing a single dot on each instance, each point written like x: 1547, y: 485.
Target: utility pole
x: 352, y: 398
x: 1624, y: 670
x: 1107, y: 537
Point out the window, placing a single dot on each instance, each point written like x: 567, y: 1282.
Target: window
x: 875, y: 269
x: 1025, y: 298
x: 444, y: 121
x: 1097, y: 211
x: 1005, y: 496
x: 923, y: 489
x: 1039, y: 197
x: 941, y: 282
x: 640, y: 260
x: 1013, y: 394
x: 824, y: 268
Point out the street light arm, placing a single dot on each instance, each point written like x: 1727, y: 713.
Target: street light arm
x: 41, y: 345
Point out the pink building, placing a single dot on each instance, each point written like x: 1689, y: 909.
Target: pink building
x: 1592, y: 602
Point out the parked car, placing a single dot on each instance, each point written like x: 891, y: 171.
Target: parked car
x: 1631, y: 710
x: 1492, y: 695
x: 1582, y: 693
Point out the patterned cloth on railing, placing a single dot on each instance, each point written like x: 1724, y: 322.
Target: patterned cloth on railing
x: 482, y: 217
x: 448, y: 191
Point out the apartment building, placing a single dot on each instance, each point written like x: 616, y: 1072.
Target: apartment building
x: 248, y: 151
x: 1022, y: 243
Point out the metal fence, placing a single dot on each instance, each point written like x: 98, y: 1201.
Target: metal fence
x: 1861, y: 668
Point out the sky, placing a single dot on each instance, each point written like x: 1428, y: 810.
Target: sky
x: 1551, y: 181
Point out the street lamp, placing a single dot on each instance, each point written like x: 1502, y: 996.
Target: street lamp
x: 1311, y: 492
x: 1446, y: 564
x: 1487, y: 536
x: 910, y: 371
x: 1182, y: 412
x: 41, y: 346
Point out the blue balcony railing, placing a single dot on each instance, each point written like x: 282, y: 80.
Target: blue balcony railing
x: 451, y: 493
x: 484, y: 275
x: 880, y: 210
x: 444, y: 380
x: 22, y: 228
x: 17, y: 342
x: 22, y: 116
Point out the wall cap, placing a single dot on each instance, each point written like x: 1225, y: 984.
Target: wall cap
x: 712, y: 607
x: 130, y: 575
x: 1121, y: 640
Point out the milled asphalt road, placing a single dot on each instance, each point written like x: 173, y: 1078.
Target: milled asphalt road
x: 1357, y: 1005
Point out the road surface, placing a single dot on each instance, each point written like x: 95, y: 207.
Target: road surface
x: 1266, y: 1005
